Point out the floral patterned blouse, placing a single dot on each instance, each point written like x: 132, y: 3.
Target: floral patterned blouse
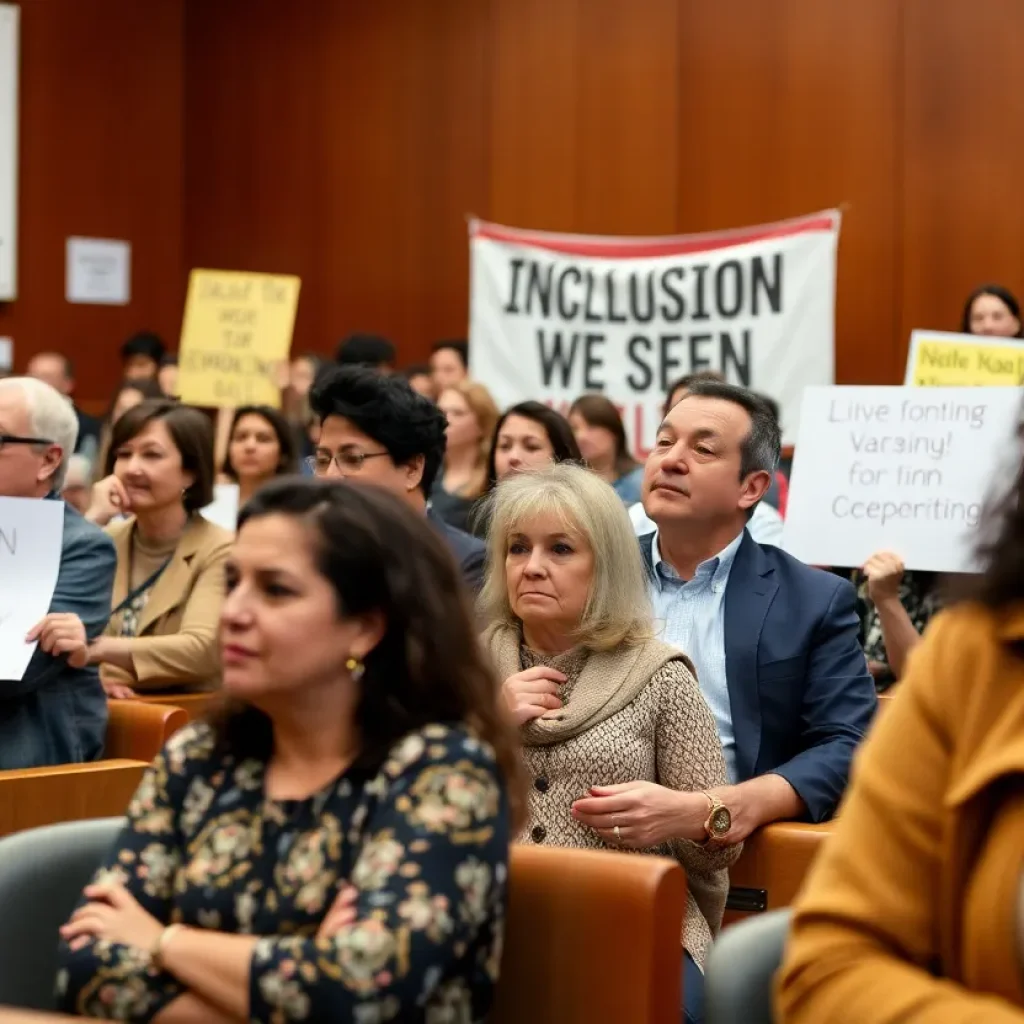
x: 424, y: 840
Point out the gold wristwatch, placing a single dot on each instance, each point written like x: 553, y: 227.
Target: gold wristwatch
x: 719, y: 819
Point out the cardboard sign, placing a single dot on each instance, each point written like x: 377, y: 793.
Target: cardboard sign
x: 31, y: 540
x: 899, y: 469
x: 553, y: 316
x: 937, y: 359
x: 236, y: 333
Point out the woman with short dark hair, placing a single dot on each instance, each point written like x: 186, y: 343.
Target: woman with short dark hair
x: 993, y: 311
x: 528, y: 436
x: 170, y: 573
x: 332, y: 845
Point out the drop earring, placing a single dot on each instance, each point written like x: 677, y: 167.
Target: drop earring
x: 356, y: 669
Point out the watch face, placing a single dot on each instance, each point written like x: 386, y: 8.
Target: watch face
x: 721, y: 821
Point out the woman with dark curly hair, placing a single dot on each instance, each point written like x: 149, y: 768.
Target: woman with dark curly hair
x: 333, y: 844
x: 914, y: 910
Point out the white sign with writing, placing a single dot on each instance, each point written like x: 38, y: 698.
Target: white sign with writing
x: 31, y: 539
x: 98, y: 271
x: 900, y: 469
x: 8, y: 151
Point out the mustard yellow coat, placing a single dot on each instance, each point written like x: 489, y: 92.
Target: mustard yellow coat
x: 910, y: 913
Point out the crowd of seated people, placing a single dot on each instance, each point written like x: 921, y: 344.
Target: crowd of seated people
x: 671, y: 680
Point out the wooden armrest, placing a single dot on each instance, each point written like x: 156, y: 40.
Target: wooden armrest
x: 195, y: 705
x: 774, y: 863
x: 32, y: 797
x: 138, y: 730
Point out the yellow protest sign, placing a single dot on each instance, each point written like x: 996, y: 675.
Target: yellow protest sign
x: 236, y: 332
x: 938, y: 359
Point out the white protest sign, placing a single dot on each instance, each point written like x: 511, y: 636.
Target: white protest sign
x: 553, y: 317
x: 903, y: 469
x: 31, y: 540
x: 223, y: 510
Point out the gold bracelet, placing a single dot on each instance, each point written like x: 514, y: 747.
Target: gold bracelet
x: 157, y: 953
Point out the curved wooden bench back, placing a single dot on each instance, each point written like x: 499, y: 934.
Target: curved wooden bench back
x: 137, y: 730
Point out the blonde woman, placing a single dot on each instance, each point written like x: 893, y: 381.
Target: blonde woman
x: 472, y: 416
x: 617, y: 738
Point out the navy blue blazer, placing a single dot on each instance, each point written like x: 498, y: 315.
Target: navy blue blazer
x: 469, y: 551
x: 799, y: 687
x: 56, y: 714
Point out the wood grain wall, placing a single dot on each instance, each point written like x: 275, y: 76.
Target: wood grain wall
x: 347, y: 140
x: 100, y: 155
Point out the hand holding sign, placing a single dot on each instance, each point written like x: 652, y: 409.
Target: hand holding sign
x: 62, y: 633
x: 884, y: 573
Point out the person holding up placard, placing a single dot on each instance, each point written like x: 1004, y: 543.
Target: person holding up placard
x: 914, y: 909
x: 775, y: 642
x: 56, y: 712
x: 895, y: 606
x: 993, y: 311
x: 170, y: 573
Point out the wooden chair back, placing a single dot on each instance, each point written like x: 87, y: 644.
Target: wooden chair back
x: 31, y: 797
x: 194, y: 705
x: 591, y: 936
x: 137, y: 731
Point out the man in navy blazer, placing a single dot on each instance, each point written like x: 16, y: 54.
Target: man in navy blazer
x: 57, y: 712
x: 376, y: 429
x: 775, y: 642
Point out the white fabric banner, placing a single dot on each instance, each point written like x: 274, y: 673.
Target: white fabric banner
x: 553, y: 317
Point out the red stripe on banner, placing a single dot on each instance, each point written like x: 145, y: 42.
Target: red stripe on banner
x: 640, y: 248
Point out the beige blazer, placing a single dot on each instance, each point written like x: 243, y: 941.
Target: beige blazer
x: 176, y: 646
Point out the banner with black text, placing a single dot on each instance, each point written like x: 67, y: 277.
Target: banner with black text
x: 555, y: 316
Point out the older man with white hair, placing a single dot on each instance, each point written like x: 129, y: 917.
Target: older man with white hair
x: 57, y: 713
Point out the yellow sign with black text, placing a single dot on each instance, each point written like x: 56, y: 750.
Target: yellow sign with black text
x: 235, y: 335
x: 938, y: 359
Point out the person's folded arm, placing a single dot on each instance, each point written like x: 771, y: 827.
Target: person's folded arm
x: 429, y: 877
x: 838, y: 705
x: 863, y: 946
x: 112, y: 980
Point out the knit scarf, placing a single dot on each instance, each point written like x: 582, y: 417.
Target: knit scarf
x: 608, y: 682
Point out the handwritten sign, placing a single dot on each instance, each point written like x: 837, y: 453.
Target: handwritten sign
x: 31, y: 539
x: 236, y: 333
x: 897, y: 468
x: 937, y: 359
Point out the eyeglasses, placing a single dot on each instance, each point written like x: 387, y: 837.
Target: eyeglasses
x: 6, y: 439
x: 346, y: 460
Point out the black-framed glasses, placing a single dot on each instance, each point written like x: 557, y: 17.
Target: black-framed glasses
x: 347, y: 460
x: 6, y: 439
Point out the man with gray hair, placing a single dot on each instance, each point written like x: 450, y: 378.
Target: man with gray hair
x: 775, y: 642
x: 57, y: 713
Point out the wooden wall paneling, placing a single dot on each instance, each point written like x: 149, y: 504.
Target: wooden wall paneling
x: 628, y: 128
x: 791, y: 107
x: 534, y: 122
x: 254, y: 179
x: 963, y: 198
x: 100, y: 155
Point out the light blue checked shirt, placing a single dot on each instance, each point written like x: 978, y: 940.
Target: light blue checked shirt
x: 690, y: 615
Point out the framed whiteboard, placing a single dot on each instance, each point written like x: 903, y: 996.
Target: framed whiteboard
x: 8, y: 151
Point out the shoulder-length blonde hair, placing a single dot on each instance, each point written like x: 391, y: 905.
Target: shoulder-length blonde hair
x: 482, y: 406
x: 618, y: 609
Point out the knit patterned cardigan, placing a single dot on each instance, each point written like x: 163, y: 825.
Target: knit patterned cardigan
x: 632, y: 714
